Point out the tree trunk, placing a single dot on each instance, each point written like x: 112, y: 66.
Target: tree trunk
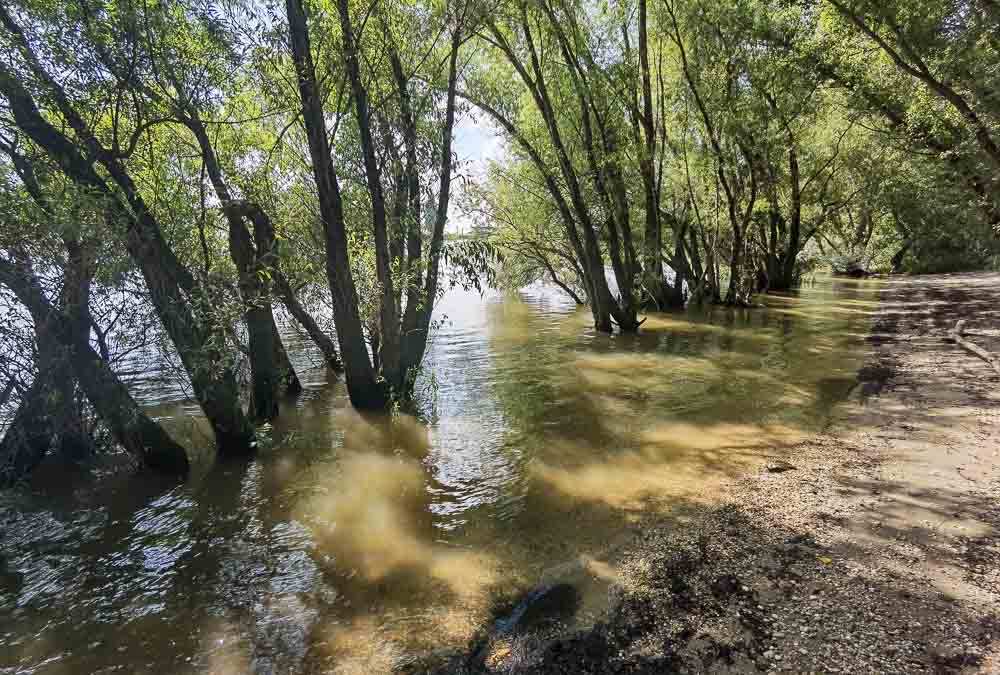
x: 48, y: 415
x: 363, y: 386
x: 288, y: 379
x: 74, y: 299
x: 30, y: 433
x: 271, y: 373
x: 414, y: 339
x: 172, y: 288
x: 652, y: 265
x: 734, y: 293
x: 129, y: 425
x: 323, y: 341
x: 390, y: 347
x: 601, y: 313
x: 264, y: 382
x: 590, y: 249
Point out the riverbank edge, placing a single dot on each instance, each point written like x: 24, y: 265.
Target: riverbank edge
x: 825, y: 565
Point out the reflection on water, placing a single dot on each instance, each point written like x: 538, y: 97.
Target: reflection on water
x: 353, y: 542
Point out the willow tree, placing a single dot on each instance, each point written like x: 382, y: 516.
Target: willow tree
x: 407, y: 260
x: 188, y: 71
x: 129, y: 425
x: 791, y: 129
x: 49, y: 416
x: 61, y: 109
x: 588, y: 128
x: 943, y: 93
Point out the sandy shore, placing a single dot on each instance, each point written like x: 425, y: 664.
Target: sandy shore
x: 876, y: 551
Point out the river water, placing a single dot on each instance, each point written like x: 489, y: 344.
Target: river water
x: 351, y: 543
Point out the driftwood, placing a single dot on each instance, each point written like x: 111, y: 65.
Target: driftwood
x: 955, y: 335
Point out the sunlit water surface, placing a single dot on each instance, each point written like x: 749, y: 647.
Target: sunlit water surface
x: 352, y: 543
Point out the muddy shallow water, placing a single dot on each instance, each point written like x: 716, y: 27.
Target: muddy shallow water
x: 353, y: 542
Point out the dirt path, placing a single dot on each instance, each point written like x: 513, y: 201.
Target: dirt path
x: 878, y: 552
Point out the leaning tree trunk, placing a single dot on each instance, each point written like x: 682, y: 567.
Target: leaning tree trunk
x: 172, y: 289
x: 323, y: 341
x: 414, y: 342
x: 48, y: 415
x: 270, y: 369
x: 111, y: 400
x: 30, y: 432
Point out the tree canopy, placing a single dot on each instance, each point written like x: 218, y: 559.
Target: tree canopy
x: 181, y: 171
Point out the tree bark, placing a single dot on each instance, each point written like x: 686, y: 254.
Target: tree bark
x: 363, y: 387
x: 172, y: 287
x: 136, y: 432
x: 323, y: 341
x: 604, y: 168
x: 411, y: 215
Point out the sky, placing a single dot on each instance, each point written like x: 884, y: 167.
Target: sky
x: 477, y: 142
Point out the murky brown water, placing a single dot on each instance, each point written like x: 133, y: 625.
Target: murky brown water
x: 352, y: 542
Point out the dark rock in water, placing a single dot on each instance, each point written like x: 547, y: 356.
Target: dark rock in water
x: 518, y: 629
x: 538, y: 607
x: 873, y: 378
x: 780, y: 467
x: 853, y: 268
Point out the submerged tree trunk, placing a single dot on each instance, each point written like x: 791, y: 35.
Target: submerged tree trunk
x: 172, y: 288
x: 30, y: 433
x: 74, y: 299
x: 129, y: 425
x: 654, y: 283
x: 271, y: 373
x: 266, y: 258
x: 264, y: 380
x: 48, y: 416
x: 389, y: 355
x: 363, y: 385
x: 288, y: 380
x: 737, y: 292
x: 414, y: 337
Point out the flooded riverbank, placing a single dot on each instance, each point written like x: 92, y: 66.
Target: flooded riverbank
x: 354, y: 542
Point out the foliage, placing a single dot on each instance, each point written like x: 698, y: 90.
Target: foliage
x: 216, y: 159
